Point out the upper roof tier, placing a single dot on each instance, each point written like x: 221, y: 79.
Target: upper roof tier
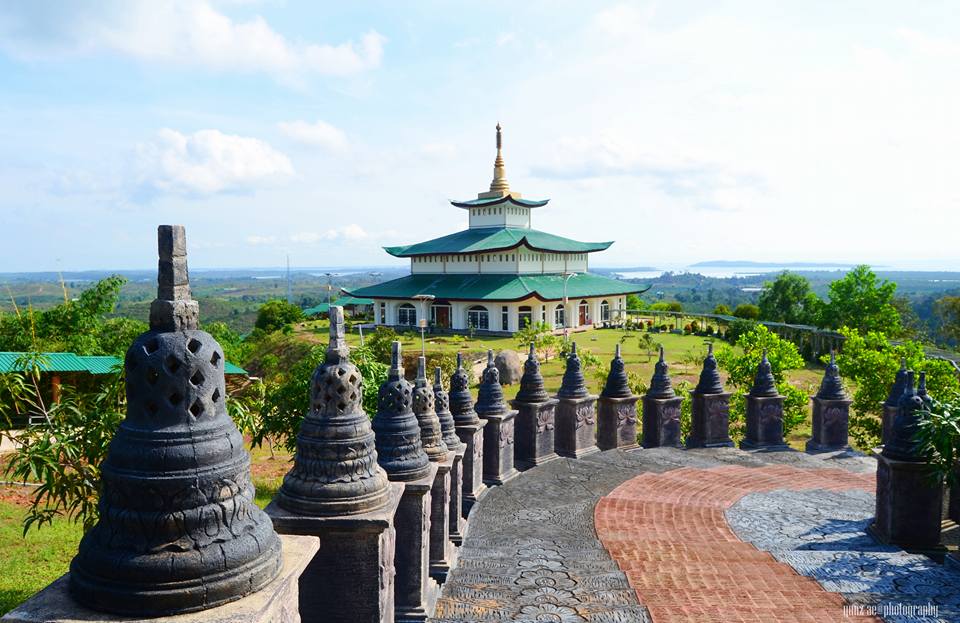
x: 492, y: 201
x: 488, y: 239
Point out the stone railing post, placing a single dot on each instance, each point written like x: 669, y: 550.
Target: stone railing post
x: 349, y: 504
x: 661, y: 410
x: 710, y: 413
x: 442, y: 551
x: 498, y: 434
x: 178, y: 530
x: 891, y: 404
x: 448, y: 430
x: 575, y: 435
x: 764, y: 411
x: 536, y: 418
x: 400, y: 452
x: 909, y: 504
x: 469, y: 429
x: 617, y: 409
x: 831, y: 412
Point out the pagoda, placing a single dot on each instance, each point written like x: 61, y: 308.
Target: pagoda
x: 499, y: 274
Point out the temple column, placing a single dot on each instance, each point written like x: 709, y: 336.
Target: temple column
x: 710, y: 417
x: 764, y: 412
x: 661, y: 410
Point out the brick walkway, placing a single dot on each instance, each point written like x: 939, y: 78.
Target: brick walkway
x: 669, y: 534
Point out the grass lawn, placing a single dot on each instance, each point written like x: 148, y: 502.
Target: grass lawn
x: 30, y: 563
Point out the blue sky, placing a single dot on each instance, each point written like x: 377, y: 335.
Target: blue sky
x: 685, y: 131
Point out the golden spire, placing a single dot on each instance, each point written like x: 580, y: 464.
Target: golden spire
x: 499, y: 183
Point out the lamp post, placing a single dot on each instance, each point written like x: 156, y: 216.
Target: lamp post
x: 566, y: 278
x: 329, y: 286
x: 423, y: 298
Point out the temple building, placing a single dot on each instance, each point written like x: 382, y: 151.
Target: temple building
x: 499, y: 274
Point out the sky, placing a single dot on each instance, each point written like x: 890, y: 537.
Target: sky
x: 685, y: 131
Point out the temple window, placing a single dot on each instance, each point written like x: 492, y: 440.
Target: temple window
x: 478, y: 317
x: 407, y: 315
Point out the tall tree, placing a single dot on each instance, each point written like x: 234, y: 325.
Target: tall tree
x: 947, y: 310
x: 861, y: 301
x: 789, y: 299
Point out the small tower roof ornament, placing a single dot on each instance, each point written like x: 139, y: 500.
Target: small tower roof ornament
x: 499, y: 186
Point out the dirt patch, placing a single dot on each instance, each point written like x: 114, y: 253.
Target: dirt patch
x: 17, y: 495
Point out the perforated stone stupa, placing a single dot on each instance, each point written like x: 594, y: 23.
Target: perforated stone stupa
x: 334, y: 427
x: 178, y: 529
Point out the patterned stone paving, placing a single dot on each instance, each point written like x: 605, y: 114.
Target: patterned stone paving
x: 532, y: 553
x: 669, y: 534
x: 821, y: 534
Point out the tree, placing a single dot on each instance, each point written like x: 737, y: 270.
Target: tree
x: 540, y: 334
x: 870, y: 363
x: 722, y: 310
x: 635, y: 303
x: 65, y: 453
x: 789, y: 299
x: 78, y: 325
x: 947, y: 310
x: 672, y: 306
x: 277, y: 314
x: 747, y: 311
x: 742, y: 367
x: 862, y: 302
x: 235, y: 348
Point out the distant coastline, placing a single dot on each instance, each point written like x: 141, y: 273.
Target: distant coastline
x: 748, y: 264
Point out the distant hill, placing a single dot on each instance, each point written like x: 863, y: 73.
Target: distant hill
x: 744, y: 263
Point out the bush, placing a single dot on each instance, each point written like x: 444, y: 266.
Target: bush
x: 742, y: 368
x: 747, y: 311
x: 277, y: 314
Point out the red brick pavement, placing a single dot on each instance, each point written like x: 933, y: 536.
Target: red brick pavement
x: 669, y: 535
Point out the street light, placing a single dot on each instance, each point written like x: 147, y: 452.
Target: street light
x: 329, y: 286
x: 566, y: 278
x: 423, y: 298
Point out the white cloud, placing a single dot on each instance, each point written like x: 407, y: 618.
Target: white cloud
x: 319, y: 134
x: 179, y: 32
x: 350, y: 233
x: 261, y: 240
x: 208, y: 162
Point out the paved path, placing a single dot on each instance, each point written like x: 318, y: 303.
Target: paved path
x: 703, y: 535
x: 668, y: 532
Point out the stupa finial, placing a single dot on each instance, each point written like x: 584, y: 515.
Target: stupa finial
x: 499, y: 183
x: 173, y: 309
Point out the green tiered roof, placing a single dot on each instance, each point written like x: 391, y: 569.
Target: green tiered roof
x: 71, y: 362
x: 497, y: 287
x: 483, y: 239
x: 493, y: 201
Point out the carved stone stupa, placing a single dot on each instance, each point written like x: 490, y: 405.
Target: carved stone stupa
x: 498, y: 434
x: 469, y: 429
x: 575, y: 435
x: 400, y: 452
x: 890, y: 405
x: 909, y: 502
x: 831, y: 412
x: 178, y: 529
x: 617, y: 409
x: 536, y: 417
x: 764, y: 411
x: 448, y: 430
x: 710, y: 416
x: 348, y: 504
x: 661, y: 409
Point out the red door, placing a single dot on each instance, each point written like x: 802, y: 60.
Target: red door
x: 443, y: 316
x: 583, y: 315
